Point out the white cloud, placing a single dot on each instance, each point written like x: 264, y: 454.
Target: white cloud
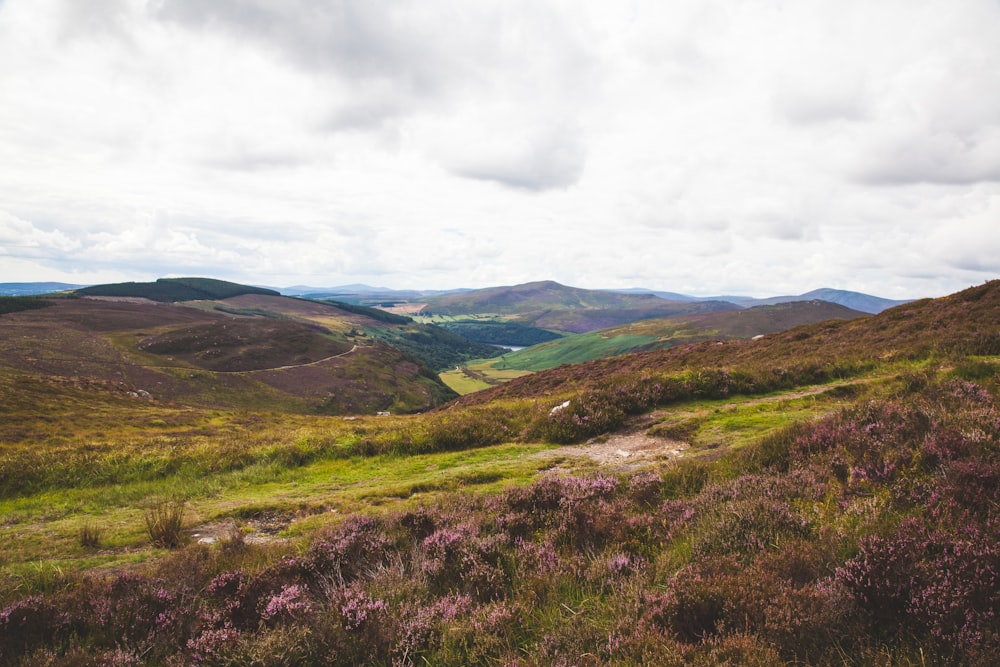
x: 693, y: 145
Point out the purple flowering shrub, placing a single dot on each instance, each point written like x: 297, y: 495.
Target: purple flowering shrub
x: 30, y: 623
x: 355, y: 546
x: 931, y: 580
x: 869, y: 536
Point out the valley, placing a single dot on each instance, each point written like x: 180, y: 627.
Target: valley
x: 208, y: 481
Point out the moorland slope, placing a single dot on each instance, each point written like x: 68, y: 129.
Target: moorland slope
x: 965, y: 323
x: 251, y: 350
x: 822, y: 496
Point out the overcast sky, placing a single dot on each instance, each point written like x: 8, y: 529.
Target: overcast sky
x: 753, y: 147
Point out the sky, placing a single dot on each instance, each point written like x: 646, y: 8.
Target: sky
x: 755, y: 147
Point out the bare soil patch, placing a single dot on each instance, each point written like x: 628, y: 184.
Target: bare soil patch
x: 627, y: 450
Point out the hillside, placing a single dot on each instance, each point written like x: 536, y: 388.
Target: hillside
x: 964, y: 323
x: 549, y: 305
x: 822, y: 496
x: 671, y: 331
x: 250, y: 351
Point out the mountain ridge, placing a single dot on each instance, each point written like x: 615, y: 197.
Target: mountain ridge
x: 856, y: 300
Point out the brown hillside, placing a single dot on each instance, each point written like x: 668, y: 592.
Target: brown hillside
x: 246, y: 344
x: 192, y: 354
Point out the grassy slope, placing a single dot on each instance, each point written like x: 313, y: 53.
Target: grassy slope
x: 671, y: 331
x: 637, y: 568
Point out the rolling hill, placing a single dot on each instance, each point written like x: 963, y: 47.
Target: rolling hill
x: 656, y: 333
x: 170, y: 290
x: 866, y: 303
x: 202, y: 342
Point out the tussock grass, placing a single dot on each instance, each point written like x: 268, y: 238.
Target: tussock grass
x: 164, y: 521
x: 90, y: 536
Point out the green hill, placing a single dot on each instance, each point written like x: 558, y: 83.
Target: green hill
x: 170, y: 290
x: 670, y: 331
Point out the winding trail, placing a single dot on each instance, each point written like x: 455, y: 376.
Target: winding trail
x: 285, y: 368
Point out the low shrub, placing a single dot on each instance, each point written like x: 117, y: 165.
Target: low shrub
x: 164, y: 523
x: 90, y: 536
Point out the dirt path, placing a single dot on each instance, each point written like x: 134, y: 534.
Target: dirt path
x: 633, y: 447
x: 257, y: 370
x: 625, y: 450
x: 285, y: 368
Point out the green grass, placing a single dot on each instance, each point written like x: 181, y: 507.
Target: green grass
x: 45, y: 527
x: 733, y: 424
x: 461, y: 383
x: 229, y: 466
x: 571, y: 350
x: 288, y: 470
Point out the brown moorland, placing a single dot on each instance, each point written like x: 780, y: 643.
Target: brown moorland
x: 222, y: 354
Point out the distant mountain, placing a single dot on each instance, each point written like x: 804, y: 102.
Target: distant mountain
x: 865, y: 303
x: 669, y: 296
x: 550, y: 305
x: 666, y: 332
x: 360, y: 294
x: 31, y: 289
x: 354, y: 288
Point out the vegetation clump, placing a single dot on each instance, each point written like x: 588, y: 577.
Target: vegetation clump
x: 164, y: 521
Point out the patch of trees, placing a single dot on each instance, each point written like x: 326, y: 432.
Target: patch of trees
x: 13, y: 304
x: 501, y: 333
x: 169, y: 290
x: 374, y: 313
x: 435, y: 346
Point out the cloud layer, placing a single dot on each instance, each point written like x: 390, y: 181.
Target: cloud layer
x: 695, y: 146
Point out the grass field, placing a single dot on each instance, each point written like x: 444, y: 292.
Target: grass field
x: 296, y: 470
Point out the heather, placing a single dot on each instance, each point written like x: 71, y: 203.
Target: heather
x: 869, y: 536
x: 825, y: 496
